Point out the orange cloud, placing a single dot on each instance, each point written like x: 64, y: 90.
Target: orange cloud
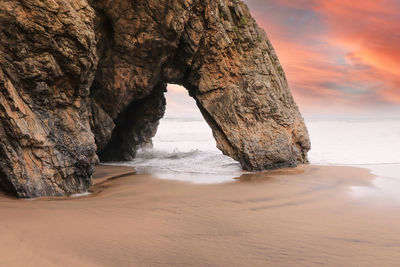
x: 371, y: 30
x: 337, y: 53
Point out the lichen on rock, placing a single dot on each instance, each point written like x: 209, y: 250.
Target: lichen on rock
x: 81, y: 79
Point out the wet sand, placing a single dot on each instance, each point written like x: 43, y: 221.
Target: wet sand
x: 301, y: 217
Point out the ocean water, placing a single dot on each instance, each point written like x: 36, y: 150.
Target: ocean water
x: 184, y: 149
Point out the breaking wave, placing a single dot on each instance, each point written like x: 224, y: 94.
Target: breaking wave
x: 194, y: 161
x: 184, y: 149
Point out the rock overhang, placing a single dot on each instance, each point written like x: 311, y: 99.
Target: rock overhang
x: 80, y: 79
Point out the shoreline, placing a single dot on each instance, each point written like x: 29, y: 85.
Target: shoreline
x: 303, y: 216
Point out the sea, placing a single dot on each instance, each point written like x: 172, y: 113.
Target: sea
x: 184, y: 149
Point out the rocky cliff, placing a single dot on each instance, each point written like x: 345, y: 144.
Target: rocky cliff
x: 82, y: 80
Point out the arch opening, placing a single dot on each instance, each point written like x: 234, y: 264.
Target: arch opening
x: 183, y: 146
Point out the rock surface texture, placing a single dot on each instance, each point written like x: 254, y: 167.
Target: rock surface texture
x: 82, y: 80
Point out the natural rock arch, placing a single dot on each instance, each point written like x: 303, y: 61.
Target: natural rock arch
x: 70, y: 69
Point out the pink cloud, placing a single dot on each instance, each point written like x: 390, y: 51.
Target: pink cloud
x: 343, y: 54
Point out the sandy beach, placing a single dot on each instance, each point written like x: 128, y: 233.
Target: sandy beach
x: 304, y: 216
x: 179, y: 107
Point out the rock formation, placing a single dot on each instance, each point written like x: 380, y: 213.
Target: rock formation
x: 86, y: 79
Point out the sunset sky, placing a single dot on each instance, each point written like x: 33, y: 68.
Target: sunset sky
x: 340, y: 56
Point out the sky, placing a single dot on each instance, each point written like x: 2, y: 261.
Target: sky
x: 341, y: 57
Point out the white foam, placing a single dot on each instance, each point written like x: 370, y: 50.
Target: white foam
x: 185, y: 149
x: 83, y: 194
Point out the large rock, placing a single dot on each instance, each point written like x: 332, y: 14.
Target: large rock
x: 47, y: 64
x: 79, y: 77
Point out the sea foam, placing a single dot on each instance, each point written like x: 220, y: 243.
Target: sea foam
x: 185, y: 149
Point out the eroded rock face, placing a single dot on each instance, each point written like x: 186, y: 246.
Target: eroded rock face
x: 79, y: 77
x: 47, y: 63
